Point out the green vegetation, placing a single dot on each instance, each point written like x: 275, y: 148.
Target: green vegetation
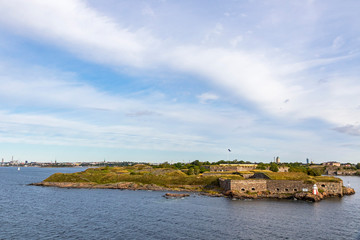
x: 244, y: 172
x: 358, y: 166
x: 170, y: 177
x: 318, y: 171
x: 301, y: 176
x: 310, y: 170
x: 197, y: 163
x: 287, y: 176
x: 166, y: 177
x: 194, y: 168
x: 326, y: 179
x: 261, y: 166
x: 263, y: 171
x: 233, y: 177
x: 297, y: 167
x: 274, y: 167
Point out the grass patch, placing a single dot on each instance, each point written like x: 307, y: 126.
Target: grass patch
x: 287, y: 176
x: 326, y: 179
x: 300, y: 176
x: 161, y: 177
x: 246, y: 172
x: 233, y: 177
x: 168, y: 177
x: 260, y: 170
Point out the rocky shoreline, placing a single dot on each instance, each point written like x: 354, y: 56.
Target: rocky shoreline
x: 306, y: 196
x: 176, y: 195
x: 121, y: 185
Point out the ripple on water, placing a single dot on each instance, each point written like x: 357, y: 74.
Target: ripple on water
x: 30, y: 212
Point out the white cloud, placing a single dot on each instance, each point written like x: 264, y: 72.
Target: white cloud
x: 265, y: 81
x: 45, y: 129
x: 273, y: 82
x: 338, y: 42
x: 235, y: 41
x: 69, y: 115
x: 214, y: 33
x: 206, y: 97
x: 78, y: 28
x: 245, y: 75
x: 148, y: 11
x: 349, y: 129
x: 42, y: 87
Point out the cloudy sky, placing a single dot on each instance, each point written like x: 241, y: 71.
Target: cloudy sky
x: 169, y: 80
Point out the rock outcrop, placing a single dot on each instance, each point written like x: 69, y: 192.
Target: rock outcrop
x: 305, y: 196
x: 348, y: 191
x: 176, y: 195
x: 257, y: 195
x: 120, y: 185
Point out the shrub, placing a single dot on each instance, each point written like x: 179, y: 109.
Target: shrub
x: 190, y: 171
x: 261, y: 166
x: 358, y: 166
x: 274, y: 167
x: 314, y: 171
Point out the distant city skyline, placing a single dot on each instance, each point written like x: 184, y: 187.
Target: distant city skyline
x: 179, y: 81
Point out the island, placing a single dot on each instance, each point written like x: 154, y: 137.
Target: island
x: 250, y: 184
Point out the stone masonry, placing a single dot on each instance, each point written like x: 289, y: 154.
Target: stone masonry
x: 278, y: 186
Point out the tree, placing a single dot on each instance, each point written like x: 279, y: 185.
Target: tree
x: 261, y: 166
x: 203, y: 169
x: 178, y: 165
x: 196, y: 163
x: 220, y: 162
x: 358, y: 166
x: 165, y: 165
x: 314, y: 172
x: 196, y: 170
x: 274, y: 167
x: 190, y: 171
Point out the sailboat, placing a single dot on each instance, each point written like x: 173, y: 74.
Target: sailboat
x: 18, y: 168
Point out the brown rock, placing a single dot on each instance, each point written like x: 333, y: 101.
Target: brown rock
x: 348, y: 191
x: 176, y: 195
x: 309, y: 196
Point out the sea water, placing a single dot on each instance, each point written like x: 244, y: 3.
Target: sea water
x: 32, y: 212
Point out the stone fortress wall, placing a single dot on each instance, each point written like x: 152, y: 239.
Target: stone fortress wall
x: 287, y: 186
x: 331, y: 187
x: 253, y: 185
x: 278, y: 186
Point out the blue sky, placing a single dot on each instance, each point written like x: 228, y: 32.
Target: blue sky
x: 179, y: 80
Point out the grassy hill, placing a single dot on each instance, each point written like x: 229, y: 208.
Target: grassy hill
x: 167, y: 177
x: 138, y: 174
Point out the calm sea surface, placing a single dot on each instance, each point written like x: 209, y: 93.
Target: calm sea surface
x: 30, y: 212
